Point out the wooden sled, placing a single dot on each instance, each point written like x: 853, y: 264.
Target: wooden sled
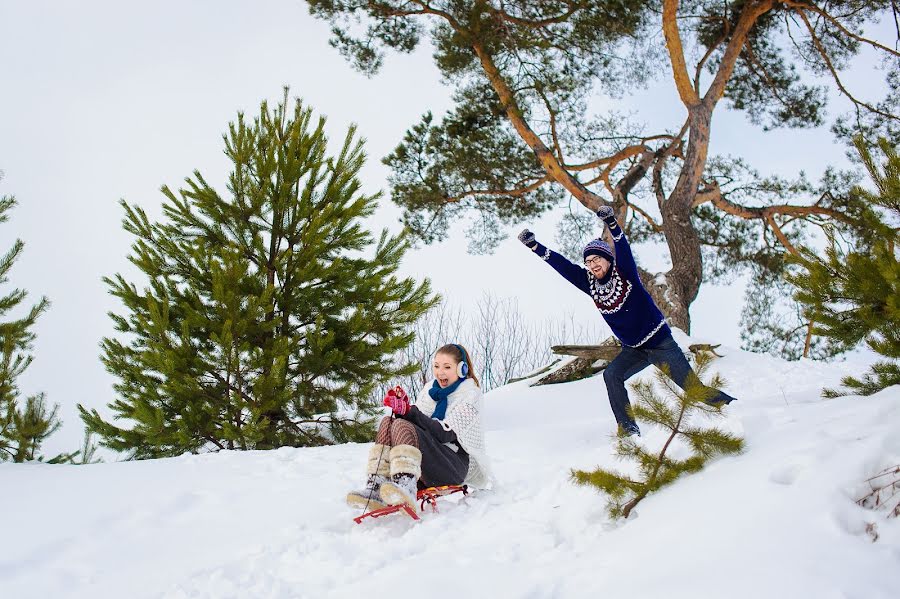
x: 427, y: 496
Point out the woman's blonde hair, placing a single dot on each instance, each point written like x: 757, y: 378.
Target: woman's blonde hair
x: 460, y: 354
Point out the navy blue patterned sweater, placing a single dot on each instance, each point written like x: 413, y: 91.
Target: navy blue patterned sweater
x: 620, y: 296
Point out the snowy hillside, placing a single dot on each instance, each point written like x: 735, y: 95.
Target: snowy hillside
x: 777, y: 521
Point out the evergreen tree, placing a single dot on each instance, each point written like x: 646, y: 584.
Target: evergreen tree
x: 854, y: 295
x: 677, y: 414
x: 526, y: 132
x: 270, y: 313
x: 22, y: 427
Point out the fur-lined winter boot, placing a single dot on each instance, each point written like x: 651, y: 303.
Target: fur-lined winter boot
x: 406, y: 468
x: 378, y: 468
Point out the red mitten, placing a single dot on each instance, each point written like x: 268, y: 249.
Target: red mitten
x: 397, y: 400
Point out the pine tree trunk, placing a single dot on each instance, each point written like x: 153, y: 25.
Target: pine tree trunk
x: 276, y: 415
x: 675, y: 292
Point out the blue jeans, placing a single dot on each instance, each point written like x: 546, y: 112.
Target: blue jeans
x: 632, y: 360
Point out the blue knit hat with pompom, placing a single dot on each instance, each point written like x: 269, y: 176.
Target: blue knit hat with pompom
x: 598, y: 247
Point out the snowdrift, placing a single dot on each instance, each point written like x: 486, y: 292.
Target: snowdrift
x: 778, y: 521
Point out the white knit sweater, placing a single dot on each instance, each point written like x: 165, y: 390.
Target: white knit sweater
x: 465, y: 408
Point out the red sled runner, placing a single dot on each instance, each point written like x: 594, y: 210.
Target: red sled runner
x: 423, y: 496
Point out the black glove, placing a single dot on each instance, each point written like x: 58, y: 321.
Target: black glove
x: 607, y: 214
x: 527, y: 237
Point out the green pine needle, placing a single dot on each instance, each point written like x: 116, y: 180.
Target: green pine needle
x: 673, y: 411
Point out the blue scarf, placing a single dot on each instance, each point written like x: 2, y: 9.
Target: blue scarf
x: 439, y: 395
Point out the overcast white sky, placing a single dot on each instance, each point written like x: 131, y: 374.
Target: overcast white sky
x: 104, y: 99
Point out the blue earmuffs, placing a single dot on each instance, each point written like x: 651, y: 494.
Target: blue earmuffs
x: 462, y: 369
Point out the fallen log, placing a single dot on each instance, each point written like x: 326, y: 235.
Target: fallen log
x: 577, y: 369
x: 704, y: 347
x: 534, y: 373
x: 591, y: 359
x: 607, y: 350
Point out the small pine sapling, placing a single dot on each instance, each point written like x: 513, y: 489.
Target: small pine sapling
x: 683, y: 414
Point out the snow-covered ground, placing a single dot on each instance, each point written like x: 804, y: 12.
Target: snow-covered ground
x: 778, y: 521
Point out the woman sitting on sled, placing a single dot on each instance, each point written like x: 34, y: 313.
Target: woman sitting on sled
x: 438, y: 441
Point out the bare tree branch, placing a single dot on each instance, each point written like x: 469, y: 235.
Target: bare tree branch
x: 709, y: 53
x: 554, y: 134
x: 386, y: 10
x: 821, y: 49
x: 539, y: 24
x: 507, y: 98
x: 802, y: 6
x: 634, y: 174
x: 515, y: 193
x: 653, y: 224
x: 713, y: 193
x: 624, y: 153
x: 770, y: 219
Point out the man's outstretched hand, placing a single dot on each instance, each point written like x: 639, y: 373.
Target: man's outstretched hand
x: 606, y: 213
x: 527, y: 237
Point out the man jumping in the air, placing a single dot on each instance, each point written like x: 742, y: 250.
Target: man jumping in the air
x: 613, y: 283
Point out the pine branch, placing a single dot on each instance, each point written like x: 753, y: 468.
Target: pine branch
x: 657, y: 469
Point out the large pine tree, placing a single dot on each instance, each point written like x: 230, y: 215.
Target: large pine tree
x: 853, y: 294
x: 270, y: 313
x: 23, y: 427
x: 531, y: 128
